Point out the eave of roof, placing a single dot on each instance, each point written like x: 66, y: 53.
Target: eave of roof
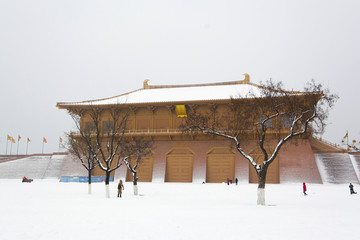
x: 150, y: 94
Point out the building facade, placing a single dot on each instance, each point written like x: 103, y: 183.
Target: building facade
x: 157, y: 112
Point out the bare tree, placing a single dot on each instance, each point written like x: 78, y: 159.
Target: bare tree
x: 103, y: 129
x: 256, y: 115
x: 138, y: 149
x: 79, y: 148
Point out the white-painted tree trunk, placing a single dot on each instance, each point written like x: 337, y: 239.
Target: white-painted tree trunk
x: 107, y: 191
x: 89, y: 188
x: 261, y: 196
x: 135, y: 190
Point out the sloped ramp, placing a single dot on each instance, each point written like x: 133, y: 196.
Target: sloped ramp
x: 43, y: 166
x: 336, y: 168
x: 72, y: 167
x: 31, y: 167
x: 54, y: 167
x: 355, y: 159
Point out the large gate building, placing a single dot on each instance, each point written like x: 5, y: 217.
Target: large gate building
x: 157, y: 113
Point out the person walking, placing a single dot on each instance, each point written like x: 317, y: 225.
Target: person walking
x: 352, y: 189
x: 120, y: 188
x: 236, y: 181
x: 304, y: 189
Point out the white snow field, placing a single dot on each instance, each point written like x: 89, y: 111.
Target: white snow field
x: 48, y: 210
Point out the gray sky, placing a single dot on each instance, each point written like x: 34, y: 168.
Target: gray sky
x: 55, y: 51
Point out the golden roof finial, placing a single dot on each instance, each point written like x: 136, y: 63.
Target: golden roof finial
x: 146, y: 85
x: 247, y: 78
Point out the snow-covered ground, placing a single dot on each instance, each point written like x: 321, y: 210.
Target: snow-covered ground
x: 48, y: 209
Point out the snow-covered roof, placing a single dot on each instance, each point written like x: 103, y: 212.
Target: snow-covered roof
x: 178, y: 94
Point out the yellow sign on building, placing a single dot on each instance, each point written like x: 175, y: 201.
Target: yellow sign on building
x: 180, y: 111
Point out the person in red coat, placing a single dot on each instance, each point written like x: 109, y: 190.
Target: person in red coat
x: 304, y: 189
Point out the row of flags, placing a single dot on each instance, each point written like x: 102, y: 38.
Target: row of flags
x: 11, y: 139
x: 346, y: 137
x: 350, y: 147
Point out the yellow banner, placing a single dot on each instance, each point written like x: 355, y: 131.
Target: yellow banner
x: 180, y: 110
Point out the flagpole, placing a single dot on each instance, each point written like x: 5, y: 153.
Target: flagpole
x: 43, y: 147
x: 27, y: 144
x: 17, y: 150
x: 60, y: 142
x: 6, y: 145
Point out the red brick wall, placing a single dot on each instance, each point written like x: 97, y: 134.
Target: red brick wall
x: 297, y: 163
x: 296, y: 160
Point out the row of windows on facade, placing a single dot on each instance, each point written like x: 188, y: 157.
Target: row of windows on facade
x: 107, y: 126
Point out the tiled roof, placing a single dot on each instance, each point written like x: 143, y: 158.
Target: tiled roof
x: 178, y: 94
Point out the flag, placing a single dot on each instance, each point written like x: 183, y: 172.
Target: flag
x: 28, y: 140
x: 13, y: 140
x: 19, y: 138
x: 44, y: 140
x: 9, y: 138
x: 346, y: 135
x: 60, y: 140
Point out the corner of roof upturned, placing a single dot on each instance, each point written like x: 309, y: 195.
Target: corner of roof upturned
x: 59, y: 105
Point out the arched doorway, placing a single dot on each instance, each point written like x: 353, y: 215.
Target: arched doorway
x: 220, y: 165
x: 179, y: 165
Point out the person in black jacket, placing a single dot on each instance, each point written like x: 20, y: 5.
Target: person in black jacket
x: 352, y: 189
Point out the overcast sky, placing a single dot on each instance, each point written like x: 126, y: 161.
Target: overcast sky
x: 59, y: 51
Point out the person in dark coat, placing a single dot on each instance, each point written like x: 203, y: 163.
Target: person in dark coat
x: 304, y: 189
x: 236, y: 181
x: 120, y: 188
x: 352, y: 189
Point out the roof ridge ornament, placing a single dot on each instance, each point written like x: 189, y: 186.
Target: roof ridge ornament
x: 247, y: 78
x: 145, y: 84
x: 245, y: 81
